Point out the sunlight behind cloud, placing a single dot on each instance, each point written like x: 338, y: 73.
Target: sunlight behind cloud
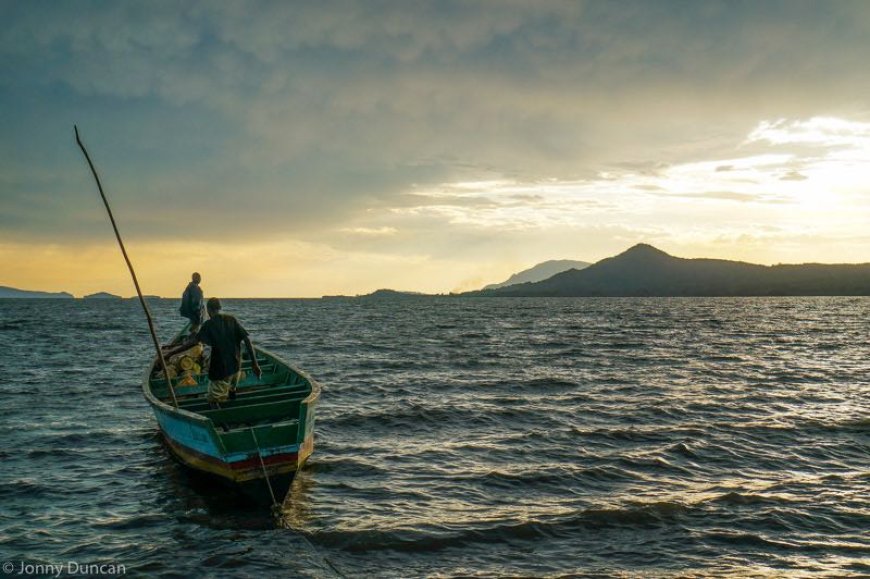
x: 780, y: 191
x: 835, y: 174
x: 787, y: 178
x: 825, y: 131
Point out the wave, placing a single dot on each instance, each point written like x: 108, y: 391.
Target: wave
x: 119, y: 523
x: 654, y: 463
x: 561, y: 478
x: 345, y: 467
x: 860, y: 424
x: 855, y: 547
x: 548, y: 384
x: 24, y: 487
x: 100, y: 326
x: 442, y: 537
x: 748, y: 498
x: 747, y: 539
x: 416, y: 416
x: 636, y: 435
x: 56, y: 453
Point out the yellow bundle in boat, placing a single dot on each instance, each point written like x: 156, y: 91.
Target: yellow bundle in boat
x: 194, y: 353
x: 197, y: 369
x: 186, y: 363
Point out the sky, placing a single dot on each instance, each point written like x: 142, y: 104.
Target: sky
x: 301, y: 149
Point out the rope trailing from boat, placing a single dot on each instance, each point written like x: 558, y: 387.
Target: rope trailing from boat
x: 275, y: 506
x: 130, y: 267
x: 325, y: 560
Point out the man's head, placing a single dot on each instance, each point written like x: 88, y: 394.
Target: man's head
x: 213, y: 305
x: 195, y: 277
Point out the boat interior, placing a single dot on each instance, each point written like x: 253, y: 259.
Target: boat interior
x: 274, y: 397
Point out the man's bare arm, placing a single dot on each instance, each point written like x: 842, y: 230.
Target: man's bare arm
x: 255, y: 366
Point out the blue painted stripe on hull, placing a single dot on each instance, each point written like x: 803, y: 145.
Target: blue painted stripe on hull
x: 188, y: 433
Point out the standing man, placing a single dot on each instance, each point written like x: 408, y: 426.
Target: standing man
x: 225, y: 335
x: 191, y: 303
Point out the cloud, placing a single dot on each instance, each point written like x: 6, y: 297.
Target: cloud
x: 722, y: 195
x: 794, y: 176
x: 371, y: 231
x: 822, y: 131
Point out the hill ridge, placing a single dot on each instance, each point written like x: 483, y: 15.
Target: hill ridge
x: 11, y: 292
x: 644, y: 270
x: 540, y: 272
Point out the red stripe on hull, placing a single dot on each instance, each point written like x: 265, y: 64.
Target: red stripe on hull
x: 281, y: 458
x: 239, y: 471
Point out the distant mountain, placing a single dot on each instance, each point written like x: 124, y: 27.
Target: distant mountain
x: 102, y: 296
x: 540, y: 272
x: 11, y: 292
x: 644, y: 270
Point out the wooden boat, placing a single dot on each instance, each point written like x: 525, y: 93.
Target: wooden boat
x: 266, y: 431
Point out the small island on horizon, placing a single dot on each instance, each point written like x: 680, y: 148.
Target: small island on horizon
x: 102, y: 296
x: 16, y: 293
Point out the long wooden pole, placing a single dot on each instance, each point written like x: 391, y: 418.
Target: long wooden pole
x: 130, y: 267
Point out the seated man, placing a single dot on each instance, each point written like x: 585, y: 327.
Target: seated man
x: 224, y: 334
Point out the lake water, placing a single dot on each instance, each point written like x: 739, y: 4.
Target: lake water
x: 455, y: 437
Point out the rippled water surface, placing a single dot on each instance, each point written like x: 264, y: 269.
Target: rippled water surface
x: 525, y: 437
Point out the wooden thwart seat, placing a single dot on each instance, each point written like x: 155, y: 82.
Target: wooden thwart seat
x: 260, y: 396
x: 254, y: 412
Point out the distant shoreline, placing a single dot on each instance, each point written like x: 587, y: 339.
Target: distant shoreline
x: 640, y: 271
x: 468, y: 297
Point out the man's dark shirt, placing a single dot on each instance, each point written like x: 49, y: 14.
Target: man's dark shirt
x: 224, y: 334
x: 191, y: 303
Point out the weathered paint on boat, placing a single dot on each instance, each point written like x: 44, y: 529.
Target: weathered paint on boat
x: 279, y: 408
